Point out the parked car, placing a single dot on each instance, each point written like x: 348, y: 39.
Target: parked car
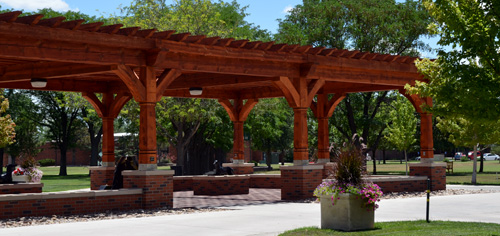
x: 471, y: 155
x: 490, y: 157
x: 458, y: 155
x: 417, y: 158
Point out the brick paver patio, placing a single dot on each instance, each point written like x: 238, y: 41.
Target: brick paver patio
x: 256, y: 196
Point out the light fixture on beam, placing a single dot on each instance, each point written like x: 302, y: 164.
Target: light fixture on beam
x: 38, y: 83
x: 195, y: 91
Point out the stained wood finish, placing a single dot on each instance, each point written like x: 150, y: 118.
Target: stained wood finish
x: 147, y: 64
x: 238, y: 113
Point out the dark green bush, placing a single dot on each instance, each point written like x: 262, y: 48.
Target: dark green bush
x: 47, y: 162
x: 464, y: 158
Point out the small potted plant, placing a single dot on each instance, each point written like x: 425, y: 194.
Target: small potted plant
x: 348, y: 201
x: 27, y: 172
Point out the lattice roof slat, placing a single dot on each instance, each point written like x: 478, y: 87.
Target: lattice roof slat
x: 130, y: 31
x: 147, y: 33
x: 71, y: 25
x: 10, y: 16
x: 91, y: 27
x: 29, y: 20
x: 110, y: 29
x: 52, y: 22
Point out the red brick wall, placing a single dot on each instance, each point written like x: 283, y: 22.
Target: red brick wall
x: 23, y: 205
x: 240, y: 169
x: 74, y: 157
x: 157, y: 186
x: 183, y: 183
x: 101, y: 176
x: 299, y: 182
x: 265, y: 181
x: 221, y: 185
x: 436, y: 172
x: 21, y: 188
x: 394, y: 184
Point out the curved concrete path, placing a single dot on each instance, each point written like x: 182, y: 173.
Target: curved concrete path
x: 274, y: 218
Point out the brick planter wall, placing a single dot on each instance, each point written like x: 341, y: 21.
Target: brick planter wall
x: 391, y: 184
x: 265, y: 181
x: 221, y: 185
x: 183, y: 183
x: 299, y: 182
x: 240, y: 169
x: 101, y: 176
x: 21, y: 188
x: 435, y: 171
x: 157, y: 186
x: 84, y: 202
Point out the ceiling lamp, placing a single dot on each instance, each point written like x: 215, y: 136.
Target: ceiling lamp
x: 195, y: 91
x: 38, y: 83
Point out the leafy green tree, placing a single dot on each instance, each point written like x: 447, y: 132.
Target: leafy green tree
x: 269, y: 124
x: 60, y: 119
x: 372, y: 26
x: 401, y: 131
x: 472, y: 134
x: 198, y: 17
x: 7, y: 131
x: 465, y: 81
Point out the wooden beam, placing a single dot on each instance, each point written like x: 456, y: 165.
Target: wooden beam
x: 247, y: 108
x: 131, y: 80
x: 96, y: 103
x: 290, y: 92
x: 316, y: 85
x: 79, y: 36
x: 231, y: 111
x: 332, y: 103
x: 69, y: 85
x: 48, y: 70
x: 48, y: 50
x: 165, y: 79
x: 225, y: 65
x: 218, y: 80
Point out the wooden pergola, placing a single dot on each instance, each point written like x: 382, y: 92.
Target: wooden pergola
x: 124, y: 63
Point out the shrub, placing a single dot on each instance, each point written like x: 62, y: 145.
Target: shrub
x: 255, y: 163
x: 464, y: 158
x: 47, y: 162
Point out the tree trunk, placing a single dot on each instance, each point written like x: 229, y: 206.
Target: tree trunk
x: 1, y: 160
x: 268, y: 159
x: 95, y: 140
x: 406, y: 161
x: 481, y: 163
x: 374, y: 162
x: 474, y: 165
x: 63, y: 147
x: 383, y: 156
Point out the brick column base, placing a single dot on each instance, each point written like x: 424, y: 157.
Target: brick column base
x: 436, y: 172
x: 328, y: 169
x: 101, y: 176
x: 157, y: 186
x: 240, y: 169
x: 299, y: 182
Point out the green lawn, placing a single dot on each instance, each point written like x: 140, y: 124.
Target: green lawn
x: 462, y: 171
x: 408, y: 228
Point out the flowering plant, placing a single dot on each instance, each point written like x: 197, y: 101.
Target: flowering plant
x: 370, y: 193
x: 29, y: 168
x: 18, y: 171
x: 347, y: 177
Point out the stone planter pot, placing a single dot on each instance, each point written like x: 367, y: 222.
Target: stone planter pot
x: 20, y: 178
x: 348, y: 214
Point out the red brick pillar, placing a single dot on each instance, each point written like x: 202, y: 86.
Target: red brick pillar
x: 100, y: 175
x: 436, y: 172
x: 157, y: 186
x: 299, y: 182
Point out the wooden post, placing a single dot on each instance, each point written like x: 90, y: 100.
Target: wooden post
x: 238, y: 114
x: 426, y: 138
x: 323, y: 110
x: 108, y: 142
x: 300, y: 145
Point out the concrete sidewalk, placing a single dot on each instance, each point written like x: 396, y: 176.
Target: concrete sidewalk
x: 275, y: 218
